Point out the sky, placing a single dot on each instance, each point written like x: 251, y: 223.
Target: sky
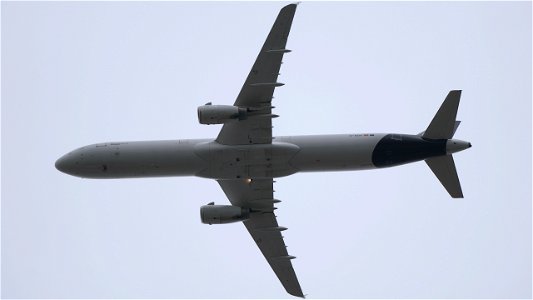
x: 78, y: 73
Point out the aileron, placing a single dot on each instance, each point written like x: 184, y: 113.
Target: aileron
x: 263, y: 226
x: 258, y: 89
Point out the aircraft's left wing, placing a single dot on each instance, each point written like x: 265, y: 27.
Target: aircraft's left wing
x: 257, y: 195
x: 256, y: 93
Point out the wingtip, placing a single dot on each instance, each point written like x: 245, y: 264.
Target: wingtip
x: 456, y: 91
x: 295, y: 4
x: 299, y: 295
x: 296, y: 292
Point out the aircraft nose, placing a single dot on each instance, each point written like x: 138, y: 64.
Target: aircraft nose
x: 65, y: 164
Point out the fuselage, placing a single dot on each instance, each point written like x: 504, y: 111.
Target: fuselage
x: 285, y: 156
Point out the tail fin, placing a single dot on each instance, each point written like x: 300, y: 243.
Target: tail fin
x: 444, y: 168
x: 443, y: 124
x: 457, y: 123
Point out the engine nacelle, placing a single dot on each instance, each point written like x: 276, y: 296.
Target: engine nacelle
x: 221, y: 214
x: 219, y: 114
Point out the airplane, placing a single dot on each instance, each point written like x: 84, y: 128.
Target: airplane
x: 245, y: 158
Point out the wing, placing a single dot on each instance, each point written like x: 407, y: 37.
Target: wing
x: 256, y: 93
x: 257, y: 195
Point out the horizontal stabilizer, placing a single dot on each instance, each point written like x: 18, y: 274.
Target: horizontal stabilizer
x: 444, y: 168
x: 457, y: 123
x: 443, y: 125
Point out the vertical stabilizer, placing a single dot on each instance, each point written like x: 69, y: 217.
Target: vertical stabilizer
x: 444, y: 168
x: 443, y: 124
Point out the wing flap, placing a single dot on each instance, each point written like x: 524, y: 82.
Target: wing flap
x: 258, y: 89
x: 257, y: 194
x: 271, y: 244
x: 262, y: 79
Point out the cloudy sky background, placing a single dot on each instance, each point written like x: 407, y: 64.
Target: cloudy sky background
x: 80, y: 73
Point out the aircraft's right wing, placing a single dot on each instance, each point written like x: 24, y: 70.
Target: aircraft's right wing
x: 257, y: 195
x: 258, y: 89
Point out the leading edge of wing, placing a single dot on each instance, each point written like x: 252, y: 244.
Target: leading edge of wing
x: 266, y: 233
x: 262, y: 78
x: 262, y: 225
x: 257, y: 91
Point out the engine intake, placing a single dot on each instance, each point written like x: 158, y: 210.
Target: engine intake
x: 221, y: 214
x: 219, y: 114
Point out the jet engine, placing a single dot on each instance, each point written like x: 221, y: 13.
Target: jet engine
x: 221, y: 214
x: 219, y: 114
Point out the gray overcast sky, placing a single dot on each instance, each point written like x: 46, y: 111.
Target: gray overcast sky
x: 80, y: 73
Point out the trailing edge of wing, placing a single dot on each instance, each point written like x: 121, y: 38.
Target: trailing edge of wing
x: 263, y: 227
x: 258, y: 89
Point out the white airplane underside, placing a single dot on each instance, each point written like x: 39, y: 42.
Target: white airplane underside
x: 245, y: 157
